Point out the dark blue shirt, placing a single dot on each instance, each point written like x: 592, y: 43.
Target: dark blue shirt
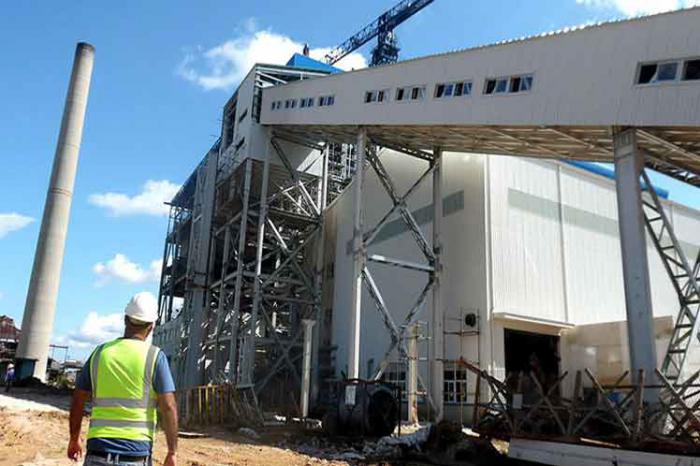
x: 162, y: 383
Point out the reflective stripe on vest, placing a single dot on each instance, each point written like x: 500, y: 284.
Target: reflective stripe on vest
x: 123, y: 416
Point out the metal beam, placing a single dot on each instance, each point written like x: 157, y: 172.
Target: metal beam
x: 358, y: 251
x: 257, y: 291
x: 400, y: 263
x: 629, y: 162
x: 437, y: 354
x: 238, y: 287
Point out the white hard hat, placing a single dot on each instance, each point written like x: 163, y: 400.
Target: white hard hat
x: 142, y: 307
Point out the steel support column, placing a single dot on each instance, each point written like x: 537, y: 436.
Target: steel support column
x: 358, y: 252
x: 412, y: 395
x: 257, y: 289
x: 437, y: 318
x: 306, y: 367
x: 629, y: 162
x: 318, y: 278
x: 238, y: 285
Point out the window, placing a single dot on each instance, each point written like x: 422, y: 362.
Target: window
x: 496, y: 86
x: 326, y: 100
x: 511, y: 85
x: 691, y: 70
x: 306, y: 102
x: 652, y: 73
x: 455, y: 384
x: 273, y: 106
x: 410, y: 93
x: 242, y: 117
x: 395, y: 373
x: 376, y: 96
x: 458, y: 89
x: 289, y: 103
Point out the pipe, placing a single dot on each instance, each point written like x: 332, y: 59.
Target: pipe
x: 40, y: 307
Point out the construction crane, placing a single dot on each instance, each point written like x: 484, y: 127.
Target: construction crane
x: 386, y: 50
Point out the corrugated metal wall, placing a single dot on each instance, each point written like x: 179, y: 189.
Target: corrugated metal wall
x: 536, y: 239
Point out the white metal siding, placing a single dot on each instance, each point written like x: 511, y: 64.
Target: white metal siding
x: 583, y: 78
x: 526, y: 261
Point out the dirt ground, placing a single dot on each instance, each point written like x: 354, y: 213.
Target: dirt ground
x: 34, y: 432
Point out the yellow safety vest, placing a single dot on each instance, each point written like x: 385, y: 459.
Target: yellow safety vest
x: 123, y: 399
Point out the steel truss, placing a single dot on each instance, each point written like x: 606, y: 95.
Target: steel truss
x: 265, y: 276
x: 430, y: 251
x: 183, y: 275
x: 685, y: 277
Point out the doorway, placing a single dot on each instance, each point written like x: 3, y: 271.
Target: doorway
x: 528, y: 352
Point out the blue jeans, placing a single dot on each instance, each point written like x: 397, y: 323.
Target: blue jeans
x: 113, y: 460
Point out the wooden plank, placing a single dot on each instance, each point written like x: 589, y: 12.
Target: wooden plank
x: 606, y: 401
x: 477, y: 399
x: 578, y: 387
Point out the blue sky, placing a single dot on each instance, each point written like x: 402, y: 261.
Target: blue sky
x: 163, y: 71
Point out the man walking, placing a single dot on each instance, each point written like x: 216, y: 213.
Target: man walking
x: 9, y: 377
x: 128, y: 379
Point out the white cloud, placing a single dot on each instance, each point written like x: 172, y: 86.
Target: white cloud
x: 13, y: 222
x: 639, y: 7
x: 121, y: 268
x: 150, y: 201
x: 225, y: 65
x: 95, y: 329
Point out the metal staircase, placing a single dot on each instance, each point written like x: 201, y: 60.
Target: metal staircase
x: 684, y: 278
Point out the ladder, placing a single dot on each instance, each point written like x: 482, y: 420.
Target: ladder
x: 684, y: 278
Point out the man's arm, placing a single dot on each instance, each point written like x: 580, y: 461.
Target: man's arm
x: 168, y: 411
x: 77, y: 409
x: 165, y: 388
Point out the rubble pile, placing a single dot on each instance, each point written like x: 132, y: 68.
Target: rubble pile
x: 444, y: 443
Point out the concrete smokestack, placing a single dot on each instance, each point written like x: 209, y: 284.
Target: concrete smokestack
x: 39, y: 310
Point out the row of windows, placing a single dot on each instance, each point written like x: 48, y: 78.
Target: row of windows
x: 669, y: 71
x: 509, y: 84
x: 454, y: 381
x: 306, y: 102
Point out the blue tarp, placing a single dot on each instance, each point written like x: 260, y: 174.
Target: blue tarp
x: 608, y: 173
x: 302, y: 61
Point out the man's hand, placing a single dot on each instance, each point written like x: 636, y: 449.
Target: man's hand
x: 168, y: 411
x: 170, y: 459
x: 75, y: 451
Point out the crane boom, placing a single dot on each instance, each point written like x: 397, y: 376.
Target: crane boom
x: 382, y: 27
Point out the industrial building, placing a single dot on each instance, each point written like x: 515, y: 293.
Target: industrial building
x: 479, y: 227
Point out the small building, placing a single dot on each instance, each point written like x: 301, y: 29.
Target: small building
x: 9, y: 339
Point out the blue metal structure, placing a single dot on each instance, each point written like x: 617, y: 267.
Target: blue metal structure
x: 387, y: 50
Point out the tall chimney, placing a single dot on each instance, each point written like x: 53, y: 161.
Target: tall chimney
x: 40, y: 307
